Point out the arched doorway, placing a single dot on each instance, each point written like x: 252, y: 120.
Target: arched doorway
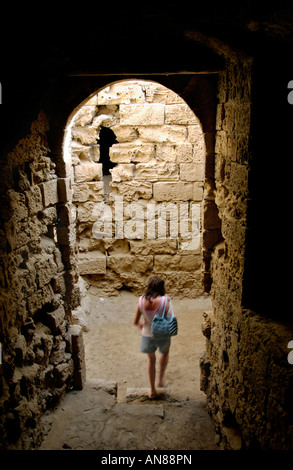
x: 148, y: 217
x: 138, y: 204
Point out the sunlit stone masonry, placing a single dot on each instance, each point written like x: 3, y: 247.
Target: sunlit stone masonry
x: 137, y: 153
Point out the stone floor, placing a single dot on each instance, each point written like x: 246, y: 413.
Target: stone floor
x: 92, y: 419
x: 113, y: 410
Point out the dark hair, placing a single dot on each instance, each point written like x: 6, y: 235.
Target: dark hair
x: 156, y: 286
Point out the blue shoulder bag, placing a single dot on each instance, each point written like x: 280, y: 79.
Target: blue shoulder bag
x: 164, y: 326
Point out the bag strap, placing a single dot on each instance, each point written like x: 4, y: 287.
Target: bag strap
x: 165, y: 303
x: 170, y: 308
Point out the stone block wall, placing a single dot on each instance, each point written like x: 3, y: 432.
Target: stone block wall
x: 244, y: 370
x: 220, y: 368
x: 38, y: 364
x: 157, y: 178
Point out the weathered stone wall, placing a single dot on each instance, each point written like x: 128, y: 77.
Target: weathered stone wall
x: 40, y: 359
x: 158, y: 178
x: 244, y: 371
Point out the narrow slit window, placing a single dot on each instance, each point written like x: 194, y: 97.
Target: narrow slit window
x: 106, y: 139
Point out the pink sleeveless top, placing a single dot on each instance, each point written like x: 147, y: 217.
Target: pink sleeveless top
x: 149, y: 314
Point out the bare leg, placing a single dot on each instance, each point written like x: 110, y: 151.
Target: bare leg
x: 152, y: 373
x: 163, y: 364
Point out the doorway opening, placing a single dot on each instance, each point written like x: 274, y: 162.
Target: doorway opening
x: 138, y: 175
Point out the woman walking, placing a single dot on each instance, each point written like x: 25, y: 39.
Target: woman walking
x: 153, y: 302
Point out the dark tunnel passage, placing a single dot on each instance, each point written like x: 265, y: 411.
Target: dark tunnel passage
x: 232, y: 70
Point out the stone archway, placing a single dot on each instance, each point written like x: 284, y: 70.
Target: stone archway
x: 228, y: 328
x: 149, y: 217
x: 157, y: 183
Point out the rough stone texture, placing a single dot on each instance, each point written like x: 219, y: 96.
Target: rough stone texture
x: 245, y: 374
x: 246, y: 356
x: 158, y: 158
x: 93, y: 262
x: 78, y: 356
x: 37, y: 364
x: 93, y: 420
x: 133, y: 394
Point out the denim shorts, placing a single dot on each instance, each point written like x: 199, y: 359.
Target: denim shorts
x: 150, y: 345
